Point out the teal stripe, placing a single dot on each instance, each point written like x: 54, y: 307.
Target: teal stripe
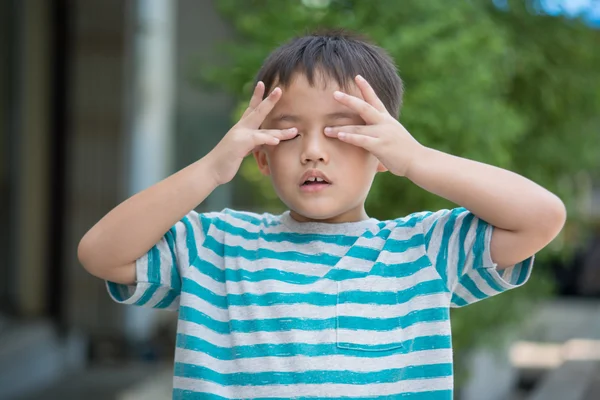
x: 313, y: 298
x: 290, y: 237
x: 515, y: 273
x: 399, y: 270
x: 441, y: 263
x: 419, y: 343
x: 429, y: 233
x: 222, y: 250
x: 491, y: 281
x: 251, y: 219
x: 171, y: 238
x: 363, y: 253
x: 464, y: 230
x: 147, y: 295
x: 400, y: 246
x: 154, y: 265
x: 238, y: 275
x: 167, y: 300
x: 117, y: 291
x: 405, y: 222
x: 479, y: 245
x: 302, y: 238
x: 205, y: 223
x: 180, y: 394
x: 190, y: 240
x: 313, y: 376
x: 411, y: 220
x: 458, y: 301
x: 525, y: 267
x: 309, y: 324
x: 472, y: 287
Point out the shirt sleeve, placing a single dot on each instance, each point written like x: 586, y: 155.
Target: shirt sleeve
x: 159, y: 272
x: 458, y: 245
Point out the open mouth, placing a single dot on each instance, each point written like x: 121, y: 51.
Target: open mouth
x: 315, y: 181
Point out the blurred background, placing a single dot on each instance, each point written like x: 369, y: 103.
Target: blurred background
x: 102, y: 98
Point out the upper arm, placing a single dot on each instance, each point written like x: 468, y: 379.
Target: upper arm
x: 124, y: 275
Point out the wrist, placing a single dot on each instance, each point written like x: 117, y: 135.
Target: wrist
x: 205, y: 170
x: 419, y: 157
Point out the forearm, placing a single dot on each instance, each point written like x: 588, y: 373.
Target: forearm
x: 133, y: 227
x: 499, y: 197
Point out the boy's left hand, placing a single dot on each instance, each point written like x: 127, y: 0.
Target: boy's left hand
x: 383, y: 135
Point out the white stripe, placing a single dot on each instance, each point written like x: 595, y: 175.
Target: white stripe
x: 252, y: 312
x: 166, y: 262
x: 400, y: 233
x: 141, y: 269
x: 323, y: 285
x: 157, y: 297
x: 181, y: 249
x: 482, y: 284
x: 323, y: 363
x: 310, y: 337
x: 312, y: 247
x: 465, y: 294
x: 332, y: 390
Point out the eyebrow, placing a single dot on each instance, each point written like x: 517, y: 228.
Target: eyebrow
x: 296, y: 118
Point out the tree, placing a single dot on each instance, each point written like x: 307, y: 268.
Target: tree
x: 510, y: 87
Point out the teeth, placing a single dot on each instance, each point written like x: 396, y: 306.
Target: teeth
x: 315, y: 179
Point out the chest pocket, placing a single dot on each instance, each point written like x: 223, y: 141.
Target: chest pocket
x: 367, y: 307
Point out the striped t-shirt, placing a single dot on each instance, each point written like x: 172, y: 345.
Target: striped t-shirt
x: 272, y: 308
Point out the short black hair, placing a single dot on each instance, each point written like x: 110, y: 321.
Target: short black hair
x: 339, y: 55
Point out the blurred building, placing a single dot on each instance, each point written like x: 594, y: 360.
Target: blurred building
x: 96, y: 103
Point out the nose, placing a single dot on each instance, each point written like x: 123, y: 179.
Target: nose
x: 314, y: 147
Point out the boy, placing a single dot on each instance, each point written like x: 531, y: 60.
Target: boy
x: 321, y: 301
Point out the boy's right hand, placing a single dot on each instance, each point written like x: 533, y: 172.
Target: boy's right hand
x: 246, y: 135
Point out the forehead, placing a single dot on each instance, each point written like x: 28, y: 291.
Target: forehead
x: 302, y: 99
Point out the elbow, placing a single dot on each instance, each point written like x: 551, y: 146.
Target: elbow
x: 85, y: 254
x: 554, y: 218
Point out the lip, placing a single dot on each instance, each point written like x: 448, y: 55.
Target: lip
x: 314, y: 173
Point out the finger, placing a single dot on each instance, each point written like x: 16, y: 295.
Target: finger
x: 258, y: 115
x: 260, y: 138
x: 366, y: 142
x: 369, y: 94
x: 367, y: 112
x: 281, y: 134
x: 358, y: 129
x: 257, y: 96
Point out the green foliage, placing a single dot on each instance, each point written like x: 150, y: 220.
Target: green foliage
x: 511, y: 88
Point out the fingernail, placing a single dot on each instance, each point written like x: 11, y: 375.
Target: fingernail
x: 360, y: 78
x: 328, y: 130
x: 341, y: 135
x: 275, y: 90
x: 292, y: 130
x: 275, y: 141
x: 338, y: 95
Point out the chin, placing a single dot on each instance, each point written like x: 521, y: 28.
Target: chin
x: 314, y: 211
x: 317, y: 213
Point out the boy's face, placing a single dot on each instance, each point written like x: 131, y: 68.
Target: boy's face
x: 348, y: 170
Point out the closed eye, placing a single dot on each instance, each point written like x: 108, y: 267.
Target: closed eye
x: 287, y: 140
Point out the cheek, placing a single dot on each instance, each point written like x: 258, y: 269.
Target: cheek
x: 279, y: 159
x: 356, y: 157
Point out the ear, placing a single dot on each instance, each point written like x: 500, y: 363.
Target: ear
x: 260, y: 155
x: 381, y: 167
